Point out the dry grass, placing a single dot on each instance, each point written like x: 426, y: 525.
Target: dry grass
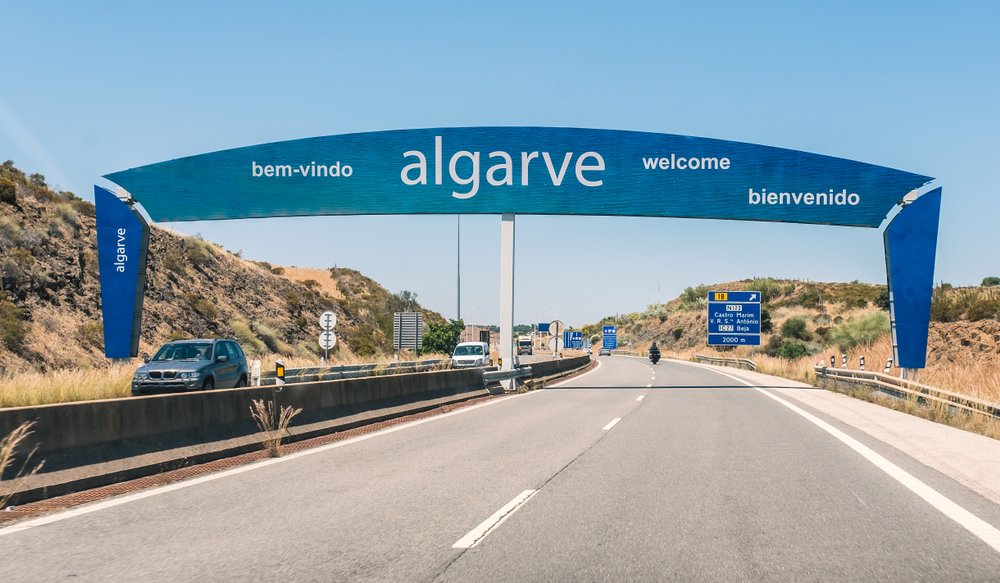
x: 9, y: 445
x: 88, y: 384
x: 327, y: 284
x: 273, y: 424
x: 30, y: 389
x: 968, y: 375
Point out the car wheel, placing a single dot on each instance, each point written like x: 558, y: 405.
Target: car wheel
x: 209, y: 384
x: 241, y: 383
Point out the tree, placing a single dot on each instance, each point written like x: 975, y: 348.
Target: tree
x: 792, y: 350
x: 882, y: 301
x: 795, y: 328
x: 442, y: 337
x: 766, y: 325
x: 991, y: 281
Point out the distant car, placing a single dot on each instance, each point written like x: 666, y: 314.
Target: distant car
x: 469, y: 354
x: 604, y: 352
x: 187, y: 365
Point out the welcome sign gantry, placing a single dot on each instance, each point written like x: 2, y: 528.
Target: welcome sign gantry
x: 524, y: 170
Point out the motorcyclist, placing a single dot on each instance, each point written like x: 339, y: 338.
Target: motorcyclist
x: 654, y: 353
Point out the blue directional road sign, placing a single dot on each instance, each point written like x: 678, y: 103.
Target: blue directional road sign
x: 733, y: 318
x: 572, y: 339
x: 543, y: 327
x: 610, y: 337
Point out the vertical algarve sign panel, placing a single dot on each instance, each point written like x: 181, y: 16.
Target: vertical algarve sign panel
x: 122, y: 240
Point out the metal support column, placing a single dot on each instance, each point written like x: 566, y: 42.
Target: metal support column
x: 507, y: 294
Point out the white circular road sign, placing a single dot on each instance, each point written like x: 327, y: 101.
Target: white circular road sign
x: 327, y: 340
x: 327, y: 320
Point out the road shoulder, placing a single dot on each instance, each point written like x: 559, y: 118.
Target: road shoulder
x: 972, y: 460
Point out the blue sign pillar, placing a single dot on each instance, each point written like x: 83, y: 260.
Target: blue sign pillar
x: 122, y: 240
x: 910, y: 248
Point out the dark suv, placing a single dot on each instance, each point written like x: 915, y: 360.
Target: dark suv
x: 185, y: 365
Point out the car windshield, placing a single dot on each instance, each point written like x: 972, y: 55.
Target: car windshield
x: 469, y: 350
x: 184, y: 351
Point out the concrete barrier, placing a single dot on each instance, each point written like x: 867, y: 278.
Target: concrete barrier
x: 547, y: 368
x: 71, y: 434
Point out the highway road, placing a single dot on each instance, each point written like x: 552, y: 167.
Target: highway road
x: 671, y: 472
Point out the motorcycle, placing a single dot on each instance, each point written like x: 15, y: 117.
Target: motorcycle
x: 654, y: 354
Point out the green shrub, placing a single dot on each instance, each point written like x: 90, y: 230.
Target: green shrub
x: 202, y: 306
x: 677, y: 333
x: 990, y: 281
x: 247, y: 339
x: 984, y: 309
x: 14, y: 326
x: 8, y: 191
x: 860, y: 331
x: 272, y: 338
x: 442, y: 337
x: 197, y: 252
x: 809, y: 297
x: 944, y: 307
x: 882, y: 300
x: 69, y: 217
x: 795, y: 328
x: 792, y: 349
x: 10, y: 233
x: 766, y: 325
x: 278, y: 270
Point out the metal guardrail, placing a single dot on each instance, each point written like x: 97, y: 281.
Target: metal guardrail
x: 495, y: 376
x: 744, y: 363
x: 902, y: 388
x: 351, y: 371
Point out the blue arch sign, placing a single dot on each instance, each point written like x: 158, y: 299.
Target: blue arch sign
x: 532, y: 170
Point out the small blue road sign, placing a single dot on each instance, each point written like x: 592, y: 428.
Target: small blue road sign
x: 609, y: 337
x: 734, y: 318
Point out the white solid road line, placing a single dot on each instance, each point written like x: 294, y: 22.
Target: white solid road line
x: 561, y: 383
x: 967, y: 520
x: 641, y: 397
x: 612, y: 424
x: 87, y: 509
x: 487, y: 526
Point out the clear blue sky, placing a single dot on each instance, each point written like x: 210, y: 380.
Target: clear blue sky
x: 94, y: 87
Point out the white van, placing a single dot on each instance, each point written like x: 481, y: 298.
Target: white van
x: 470, y: 354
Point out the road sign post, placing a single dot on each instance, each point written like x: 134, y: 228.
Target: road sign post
x: 327, y: 340
x: 555, y: 329
x: 734, y: 318
x: 609, y: 337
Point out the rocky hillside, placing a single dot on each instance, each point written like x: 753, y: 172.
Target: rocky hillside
x: 50, y: 308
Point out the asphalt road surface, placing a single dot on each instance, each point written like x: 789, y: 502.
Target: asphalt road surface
x: 622, y: 474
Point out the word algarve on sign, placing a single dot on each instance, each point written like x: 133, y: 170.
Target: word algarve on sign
x: 501, y: 173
